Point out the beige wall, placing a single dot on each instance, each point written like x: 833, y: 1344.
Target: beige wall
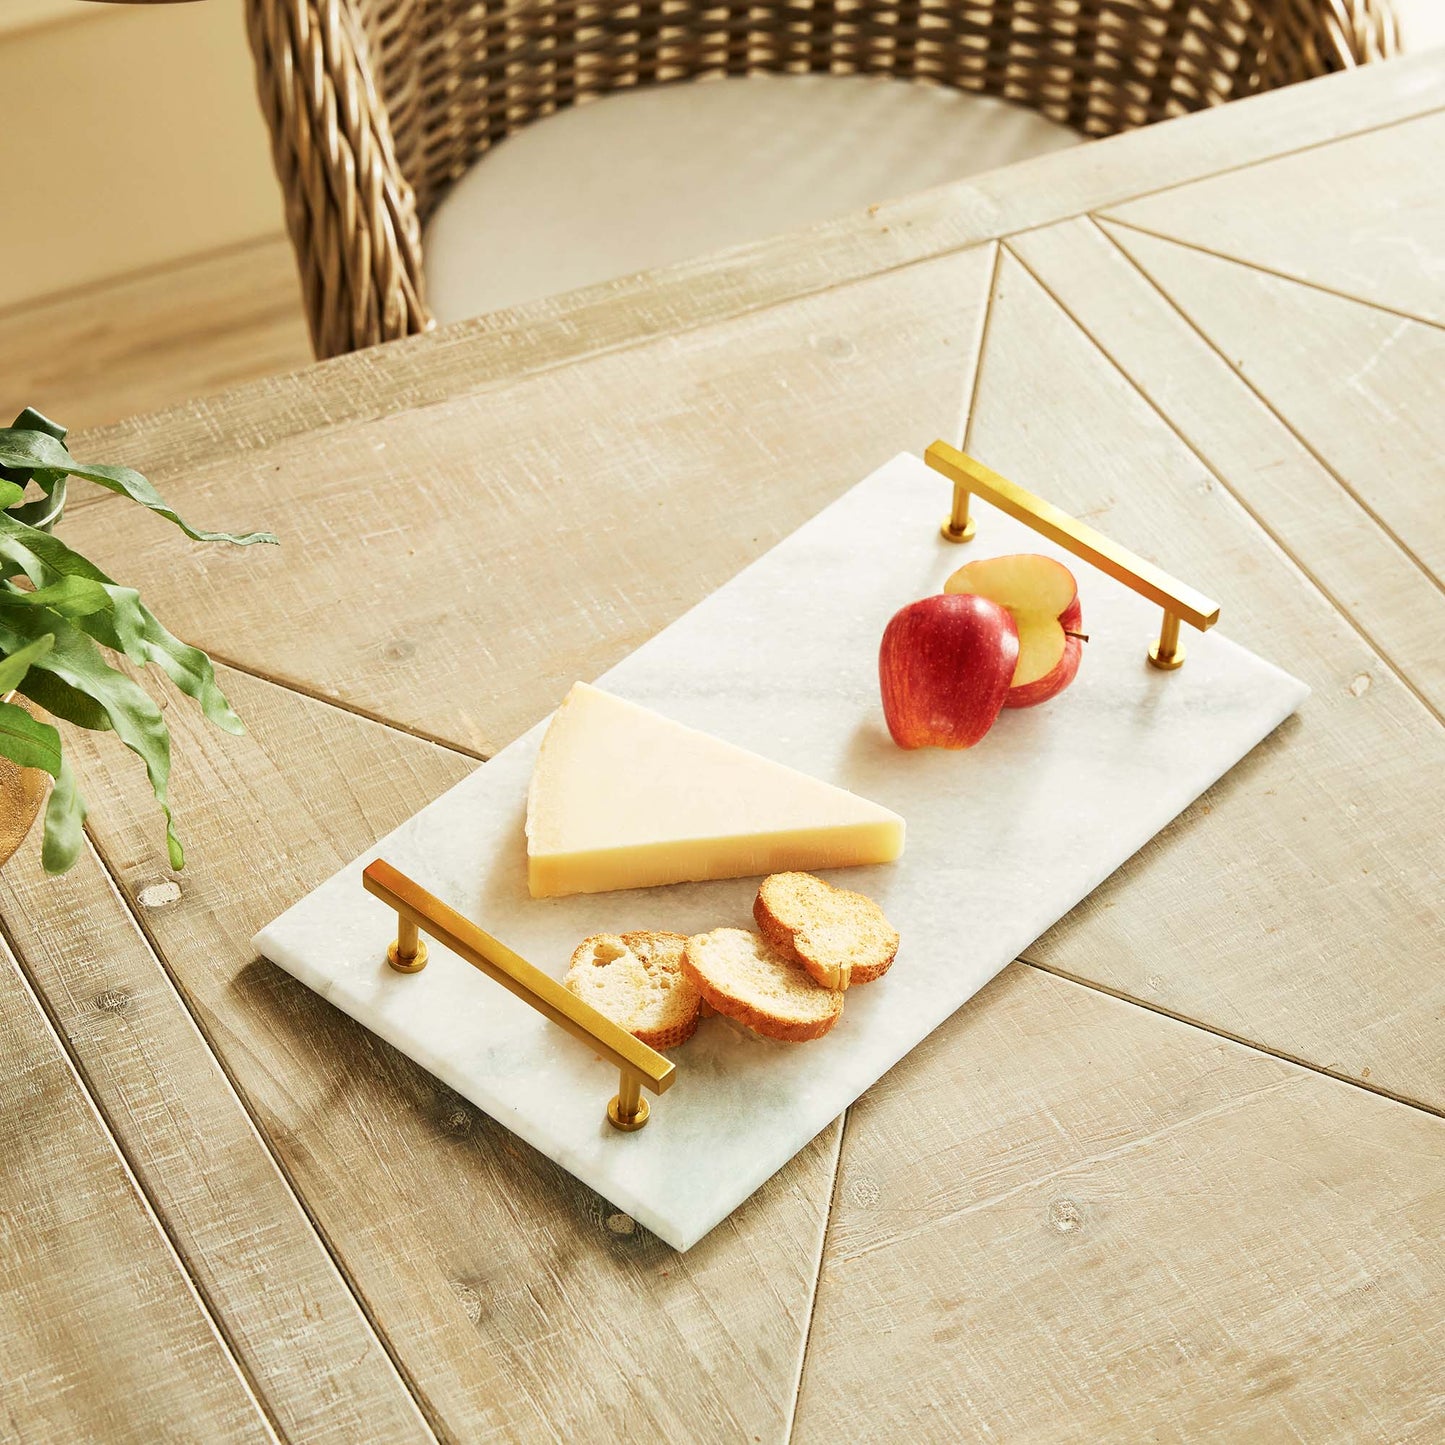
x: 131, y: 132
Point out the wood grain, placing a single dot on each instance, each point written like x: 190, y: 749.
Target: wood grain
x: 508, y: 344
x: 1363, y: 388
x: 495, y: 548
x: 1364, y: 216
x: 233, y: 1219
x: 1293, y: 904
x: 104, y: 1337
x: 156, y: 339
x: 1063, y: 1218
x: 515, y: 1300
x: 1326, y: 531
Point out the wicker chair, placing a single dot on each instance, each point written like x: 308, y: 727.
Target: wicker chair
x: 376, y: 107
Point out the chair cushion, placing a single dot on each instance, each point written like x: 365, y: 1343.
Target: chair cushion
x: 646, y: 178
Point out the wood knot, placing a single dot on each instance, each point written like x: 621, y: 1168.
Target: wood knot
x: 1065, y: 1216
x: 160, y: 895
x: 470, y: 1300
x: 864, y: 1191
x: 457, y: 1122
x: 836, y: 348
x: 112, y: 1001
x: 623, y: 1224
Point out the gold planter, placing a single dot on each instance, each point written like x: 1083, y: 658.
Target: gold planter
x: 22, y: 792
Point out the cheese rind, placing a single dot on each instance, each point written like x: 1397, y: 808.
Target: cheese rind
x: 622, y: 797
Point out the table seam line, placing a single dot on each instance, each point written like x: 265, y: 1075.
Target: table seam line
x: 638, y: 341
x: 982, y: 352
x: 1298, y: 150
x: 1385, y: 656
x: 1098, y: 1156
x: 1304, y: 442
x: 1335, y: 291
x: 1254, y: 1045
x: 81, y: 1078
x: 351, y: 709
x: 152, y: 943
x: 807, y: 1333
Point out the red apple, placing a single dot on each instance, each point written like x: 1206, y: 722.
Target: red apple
x: 944, y: 668
x: 1043, y: 599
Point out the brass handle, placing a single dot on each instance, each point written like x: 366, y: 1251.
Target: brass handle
x: 417, y: 910
x: 1180, y: 603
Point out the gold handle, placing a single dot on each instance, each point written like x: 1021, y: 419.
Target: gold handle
x: 1180, y: 603
x: 416, y: 910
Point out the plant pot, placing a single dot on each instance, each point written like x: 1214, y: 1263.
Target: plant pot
x: 22, y: 792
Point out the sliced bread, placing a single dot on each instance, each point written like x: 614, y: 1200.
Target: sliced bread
x: 746, y: 978
x: 636, y: 979
x: 840, y: 937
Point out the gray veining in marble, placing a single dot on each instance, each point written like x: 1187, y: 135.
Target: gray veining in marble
x: 1002, y: 841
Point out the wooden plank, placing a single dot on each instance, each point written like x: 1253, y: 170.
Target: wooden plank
x: 1063, y: 1218
x: 1358, y: 564
x: 1364, y: 389
x: 481, y: 352
x: 156, y: 339
x: 237, y: 1227
x: 1289, y: 906
x: 104, y: 1338
x: 1364, y: 216
x: 654, y: 474
x: 516, y: 1301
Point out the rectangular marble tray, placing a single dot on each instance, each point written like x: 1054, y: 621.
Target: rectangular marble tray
x: 1002, y: 841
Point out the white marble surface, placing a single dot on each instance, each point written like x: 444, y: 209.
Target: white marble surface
x: 1002, y: 841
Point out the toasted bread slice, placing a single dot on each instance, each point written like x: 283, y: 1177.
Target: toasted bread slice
x: 637, y: 980
x: 841, y: 938
x: 746, y: 978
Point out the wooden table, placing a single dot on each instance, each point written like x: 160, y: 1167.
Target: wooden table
x: 1180, y: 1171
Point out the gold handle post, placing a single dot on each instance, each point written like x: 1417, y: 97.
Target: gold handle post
x: 417, y: 910
x: 1180, y: 602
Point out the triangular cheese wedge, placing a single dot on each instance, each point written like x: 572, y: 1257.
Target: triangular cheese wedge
x: 624, y: 798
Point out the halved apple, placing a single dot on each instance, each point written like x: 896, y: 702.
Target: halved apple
x: 944, y: 668
x: 1043, y: 599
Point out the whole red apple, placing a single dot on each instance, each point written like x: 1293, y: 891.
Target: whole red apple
x: 1043, y: 600
x: 944, y: 669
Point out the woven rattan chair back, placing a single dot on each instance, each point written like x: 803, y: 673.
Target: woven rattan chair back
x: 377, y: 106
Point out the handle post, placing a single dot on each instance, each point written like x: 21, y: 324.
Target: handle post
x: 1168, y: 652
x: 1180, y: 602
x: 639, y: 1067
x: 958, y: 526
x: 628, y: 1109
x: 408, y: 953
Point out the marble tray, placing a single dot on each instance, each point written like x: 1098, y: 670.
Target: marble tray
x: 1002, y: 841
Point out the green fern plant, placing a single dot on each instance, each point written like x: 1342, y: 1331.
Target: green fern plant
x: 60, y: 615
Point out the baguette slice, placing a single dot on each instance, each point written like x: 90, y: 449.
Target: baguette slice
x: 636, y: 979
x: 746, y: 978
x: 838, y: 936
